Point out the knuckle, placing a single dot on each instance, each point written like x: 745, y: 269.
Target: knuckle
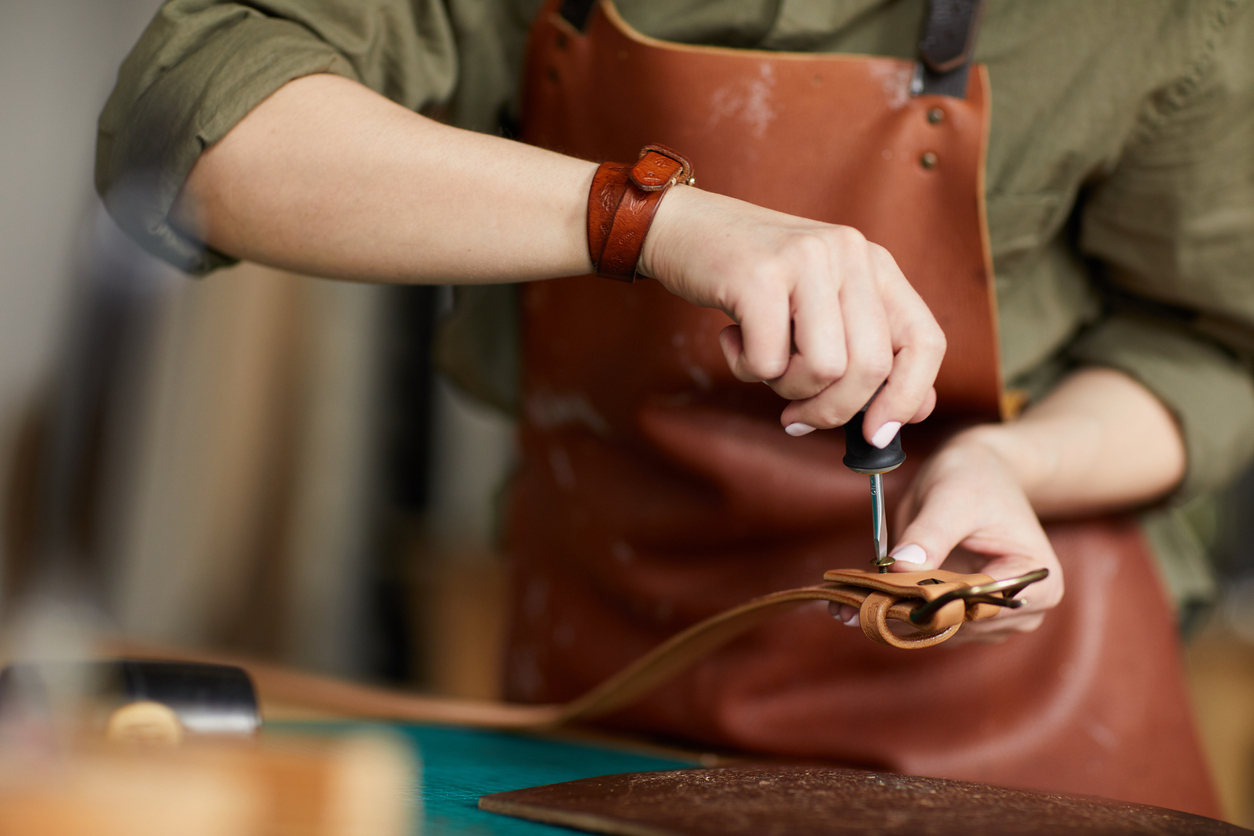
x: 789, y: 389
x: 835, y: 415
x: 849, y: 237
x: 762, y: 371
x: 764, y: 275
x: 822, y: 417
x: 875, y: 368
x: 827, y: 370
x: 804, y: 250
x: 931, y: 339
x: 880, y: 255
x: 821, y: 420
x: 769, y: 369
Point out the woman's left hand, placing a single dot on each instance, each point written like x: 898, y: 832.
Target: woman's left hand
x: 967, y: 511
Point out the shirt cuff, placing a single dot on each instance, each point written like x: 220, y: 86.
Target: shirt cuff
x: 1210, y: 393
x: 150, y: 135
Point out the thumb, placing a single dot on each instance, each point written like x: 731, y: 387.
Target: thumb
x: 929, y: 538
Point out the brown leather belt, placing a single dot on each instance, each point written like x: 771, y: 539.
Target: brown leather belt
x: 934, y: 603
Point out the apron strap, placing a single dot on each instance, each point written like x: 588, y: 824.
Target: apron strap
x: 944, y: 50
x: 946, y: 47
x: 577, y: 12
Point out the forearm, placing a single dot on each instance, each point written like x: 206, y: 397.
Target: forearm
x: 328, y: 178
x: 1099, y: 442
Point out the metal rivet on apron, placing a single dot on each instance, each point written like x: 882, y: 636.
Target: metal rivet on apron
x: 928, y: 160
x: 935, y: 116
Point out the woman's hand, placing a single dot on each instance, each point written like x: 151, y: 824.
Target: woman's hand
x: 1099, y: 443
x: 967, y: 511
x: 822, y: 315
x: 328, y: 178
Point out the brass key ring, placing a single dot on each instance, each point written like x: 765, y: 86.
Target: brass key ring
x: 985, y: 593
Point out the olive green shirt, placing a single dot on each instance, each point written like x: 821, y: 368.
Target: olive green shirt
x: 1120, y: 175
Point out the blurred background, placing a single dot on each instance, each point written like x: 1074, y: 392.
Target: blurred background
x: 265, y: 463
x: 260, y: 462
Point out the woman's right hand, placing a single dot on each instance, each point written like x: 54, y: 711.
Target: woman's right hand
x: 822, y: 315
x: 320, y: 179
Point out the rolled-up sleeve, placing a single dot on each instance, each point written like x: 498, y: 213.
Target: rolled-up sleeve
x: 1173, y: 227
x: 201, y: 66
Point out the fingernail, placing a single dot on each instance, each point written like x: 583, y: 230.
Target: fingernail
x: 853, y: 621
x: 885, y: 434
x: 797, y: 428
x: 910, y: 554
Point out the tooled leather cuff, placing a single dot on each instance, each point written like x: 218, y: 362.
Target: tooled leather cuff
x: 621, y: 206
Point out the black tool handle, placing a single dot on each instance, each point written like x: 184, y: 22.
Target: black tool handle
x: 863, y: 457
x: 208, y: 699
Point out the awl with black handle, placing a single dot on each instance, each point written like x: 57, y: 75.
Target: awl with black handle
x: 863, y: 457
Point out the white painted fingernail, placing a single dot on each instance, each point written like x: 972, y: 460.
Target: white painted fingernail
x: 797, y: 428
x: 885, y: 434
x: 910, y: 554
x: 853, y: 621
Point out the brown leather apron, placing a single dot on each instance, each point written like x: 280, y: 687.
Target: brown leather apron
x: 656, y: 490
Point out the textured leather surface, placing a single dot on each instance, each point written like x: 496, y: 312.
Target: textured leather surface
x: 655, y: 490
x: 608, y: 185
x: 621, y: 209
x: 631, y: 224
x: 766, y: 799
x: 660, y: 167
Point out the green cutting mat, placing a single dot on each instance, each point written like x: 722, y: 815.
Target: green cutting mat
x: 459, y: 765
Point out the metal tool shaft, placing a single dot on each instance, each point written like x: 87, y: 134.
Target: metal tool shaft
x: 879, y: 524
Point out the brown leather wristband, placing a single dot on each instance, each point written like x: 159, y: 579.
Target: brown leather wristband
x: 621, y: 206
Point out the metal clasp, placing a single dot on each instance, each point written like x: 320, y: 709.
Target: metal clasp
x: 985, y: 593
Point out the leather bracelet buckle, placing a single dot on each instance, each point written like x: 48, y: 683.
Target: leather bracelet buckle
x: 622, y: 204
x: 655, y: 169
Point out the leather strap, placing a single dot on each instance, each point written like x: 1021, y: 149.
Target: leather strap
x: 946, y: 47
x: 577, y: 12
x: 608, y: 185
x: 622, y: 204
x: 879, y: 597
x: 949, y: 38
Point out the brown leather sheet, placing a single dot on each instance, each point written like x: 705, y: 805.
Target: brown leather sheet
x: 762, y: 799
